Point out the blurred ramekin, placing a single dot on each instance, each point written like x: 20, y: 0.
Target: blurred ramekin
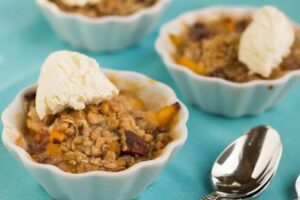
x: 123, y: 185
x: 103, y: 34
x: 216, y: 95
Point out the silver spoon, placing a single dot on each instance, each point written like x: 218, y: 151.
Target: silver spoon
x: 247, y: 197
x: 246, y: 166
x: 258, y: 192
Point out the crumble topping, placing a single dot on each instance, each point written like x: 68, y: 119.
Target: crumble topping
x: 105, y: 7
x: 211, y: 49
x: 110, y: 136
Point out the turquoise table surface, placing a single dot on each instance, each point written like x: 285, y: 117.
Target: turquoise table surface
x: 25, y: 41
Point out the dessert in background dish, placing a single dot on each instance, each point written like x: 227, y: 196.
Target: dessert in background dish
x: 223, y: 67
x: 102, y: 25
x: 79, y: 122
x: 240, y: 49
x: 100, y: 8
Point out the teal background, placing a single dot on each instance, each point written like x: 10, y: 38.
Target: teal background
x: 25, y: 41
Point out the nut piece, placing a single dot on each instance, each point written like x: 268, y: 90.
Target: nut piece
x: 135, y: 145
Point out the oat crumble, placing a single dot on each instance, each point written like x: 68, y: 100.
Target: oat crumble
x: 106, y: 7
x: 211, y: 49
x: 110, y: 136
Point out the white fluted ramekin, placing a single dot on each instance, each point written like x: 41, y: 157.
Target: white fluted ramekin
x: 103, y: 34
x: 123, y: 185
x: 216, y: 95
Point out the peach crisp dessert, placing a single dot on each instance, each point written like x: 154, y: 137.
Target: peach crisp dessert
x: 110, y: 136
x: 240, y: 49
x: 100, y: 8
x: 81, y: 122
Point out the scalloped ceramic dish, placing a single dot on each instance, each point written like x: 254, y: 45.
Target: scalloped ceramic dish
x: 123, y: 185
x: 216, y: 95
x: 103, y: 34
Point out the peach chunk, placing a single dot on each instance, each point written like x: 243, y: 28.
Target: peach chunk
x: 166, y: 114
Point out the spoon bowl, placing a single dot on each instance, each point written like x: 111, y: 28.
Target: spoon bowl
x: 246, y: 166
x: 256, y: 193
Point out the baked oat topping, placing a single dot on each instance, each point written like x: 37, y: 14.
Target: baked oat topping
x: 211, y: 49
x: 106, y: 7
x: 110, y: 136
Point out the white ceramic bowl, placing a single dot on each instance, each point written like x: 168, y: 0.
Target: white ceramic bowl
x: 104, y: 34
x: 100, y: 185
x: 215, y: 95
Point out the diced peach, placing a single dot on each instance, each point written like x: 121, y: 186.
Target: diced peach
x: 229, y: 24
x: 192, y: 65
x: 176, y: 40
x: 165, y: 115
x: 137, y: 103
x: 56, y: 137
x: 20, y: 141
x: 53, y: 149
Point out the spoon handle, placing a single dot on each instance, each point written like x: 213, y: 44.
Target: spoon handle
x: 211, y: 196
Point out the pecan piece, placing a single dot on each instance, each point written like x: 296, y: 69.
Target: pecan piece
x: 135, y: 145
x: 38, y: 144
x: 156, y: 130
x: 218, y: 73
x: 199, y: 31
x: 242, y: 25
x: 30, y: 96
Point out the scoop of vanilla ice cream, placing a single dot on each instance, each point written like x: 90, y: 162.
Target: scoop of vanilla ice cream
x: 266, y: 41
x: 70, y: 80
x: 80, y: 2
